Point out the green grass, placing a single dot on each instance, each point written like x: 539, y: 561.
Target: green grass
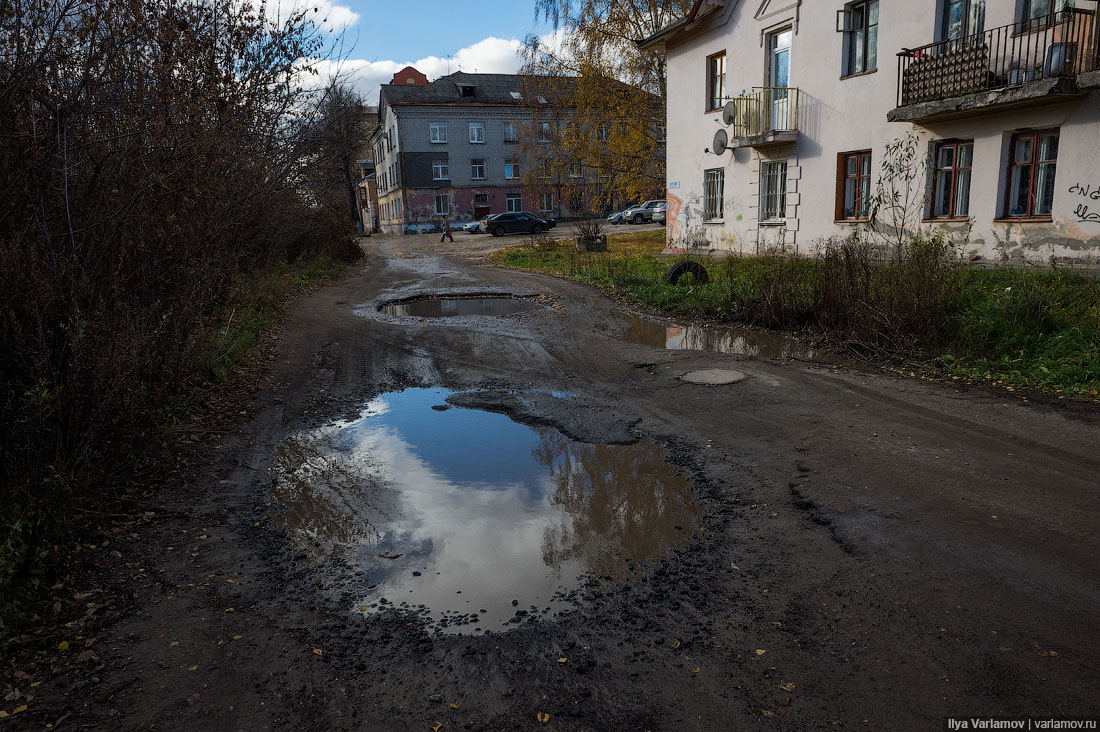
x: 1034, y: 330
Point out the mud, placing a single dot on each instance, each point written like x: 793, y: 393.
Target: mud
x: 458, y: 307
x: 870, y: 552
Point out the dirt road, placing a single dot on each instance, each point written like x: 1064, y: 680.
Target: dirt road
x: 872, y: 553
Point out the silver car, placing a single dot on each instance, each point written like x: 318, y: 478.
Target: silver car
x: 643, y: 213
x: 659, y: 213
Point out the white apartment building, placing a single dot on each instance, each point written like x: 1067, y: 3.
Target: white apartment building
x: 780, y: 113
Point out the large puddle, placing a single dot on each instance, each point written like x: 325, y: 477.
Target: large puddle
x: 453, y: 307
x: 716, y: 339
x: 472, y: 519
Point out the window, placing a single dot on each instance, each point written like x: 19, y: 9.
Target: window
x: 1038, y: 12
x: 481, y: 199
x: 468, y: 90
x: 576, y: 171
x: 509, y: 131
x: 544, y: 132
x: 477, y: 132
x: 512, y: 170
x: 659, y: 132
x: 773, y: 191
x: 603, y: 133
x: 441, y: 170
x: 442, y: 205
x: 1031, y: 168
x: 513, y: 203
x: 962, y: 18
x: 853, y: 186
x: 477, y: 169
x: 437, y: 131
x: 716, y: 81
x: 714, y: 183
x: 951, y: 182
x: 576, y: 201
x: 397, y: 203
x: 546, y: 202
x: 861, y: 37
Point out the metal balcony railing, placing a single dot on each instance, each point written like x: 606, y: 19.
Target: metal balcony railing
x: 1063, y: 43
x: 767, y: 109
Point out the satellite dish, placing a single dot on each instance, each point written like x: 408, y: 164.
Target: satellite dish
x: 720, y: 141
x: 729, y: 113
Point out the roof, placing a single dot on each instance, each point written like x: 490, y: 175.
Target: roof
x: 700, y: 10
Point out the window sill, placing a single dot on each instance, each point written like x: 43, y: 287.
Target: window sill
x: 858, y: 74
x: 851, y: 221
x: 773, y: 222
x: 946, y: 220
x: 1024, y: 220
x: 439, y: 142
x: 714, y: 221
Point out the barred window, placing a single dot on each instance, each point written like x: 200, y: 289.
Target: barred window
x: 773, y: 191
x: 714, y: 183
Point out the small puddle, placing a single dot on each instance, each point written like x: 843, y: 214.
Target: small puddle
x: 454, y: 307
x: 470, y: 519
x: 716, y: 339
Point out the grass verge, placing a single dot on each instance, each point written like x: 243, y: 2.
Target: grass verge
x: 1009, y: 327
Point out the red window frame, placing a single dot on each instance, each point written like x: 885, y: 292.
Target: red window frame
x: 842, y: 178
x: 955, y: 168
x: 1033, y: 174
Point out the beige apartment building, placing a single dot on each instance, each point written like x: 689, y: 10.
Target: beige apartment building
x: 781, y: 114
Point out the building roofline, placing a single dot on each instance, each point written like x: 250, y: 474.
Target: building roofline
x: 658, y: 39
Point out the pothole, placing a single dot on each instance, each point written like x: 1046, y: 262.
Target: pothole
x: 459, y: 306
x: 472, y: 520
x: 717, y: 339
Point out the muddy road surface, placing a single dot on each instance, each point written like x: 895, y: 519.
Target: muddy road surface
x: 435, y: 519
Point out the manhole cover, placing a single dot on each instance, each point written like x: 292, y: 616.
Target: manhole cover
x: 714, y: 377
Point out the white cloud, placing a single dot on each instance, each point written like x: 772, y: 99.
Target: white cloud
x: 325, y: 13
x: 488, y: 56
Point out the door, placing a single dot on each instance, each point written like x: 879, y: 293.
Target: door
x: 779, y: 46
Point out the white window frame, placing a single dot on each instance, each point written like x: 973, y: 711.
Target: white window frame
x: 479, y: 129
x: 475, y: 164
x: 576, y: 170
x: 773, y: 192
x: 437, y: 133
x: 512, y: 170
x: 513, y: 203
x: 445, y: 208
x: 544, y: 132
x: 509, y: 131
x: 544, y: 199
x: 441, y: 170
x: 714, y: 184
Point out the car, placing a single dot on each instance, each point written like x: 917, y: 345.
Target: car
x: 519, y: 222
x: 474, y: 227
x: 659, y: 212
x: 617, y: 218
x: 641, y: 214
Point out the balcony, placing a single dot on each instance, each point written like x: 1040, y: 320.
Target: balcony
x: 1028, y: 63
x: 765, y: 118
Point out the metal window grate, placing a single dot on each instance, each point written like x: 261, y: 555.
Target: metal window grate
x: 714, y: 183
x: 773, y: 191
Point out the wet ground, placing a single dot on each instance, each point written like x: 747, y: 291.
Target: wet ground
x: 455, y: 307
x: 854, y: 551
x: 718, y: 339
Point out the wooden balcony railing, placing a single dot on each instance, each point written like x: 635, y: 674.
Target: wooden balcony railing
x: 1061, y: 44
x: 766, y: 110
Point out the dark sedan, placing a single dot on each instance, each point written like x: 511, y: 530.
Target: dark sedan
x: 517, y: 223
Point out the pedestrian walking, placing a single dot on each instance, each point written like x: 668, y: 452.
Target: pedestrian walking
x: 446, y: 231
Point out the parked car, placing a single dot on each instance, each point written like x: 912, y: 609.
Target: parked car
x: 641, y: 214
x: 474, y: 227
x: 520, y: 222
x: 659, y: 212
x: 617, y: 218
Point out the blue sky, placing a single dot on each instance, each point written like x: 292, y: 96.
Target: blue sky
x: 436, y: 36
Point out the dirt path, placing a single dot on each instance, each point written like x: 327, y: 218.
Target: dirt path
x: 876, y: 553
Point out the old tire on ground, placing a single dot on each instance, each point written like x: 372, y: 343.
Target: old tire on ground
x: 686, y: 267
x: 498, y: 231
x: 638, y: 219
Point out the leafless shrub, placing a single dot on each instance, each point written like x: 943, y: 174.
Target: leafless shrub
x: 590, y: 228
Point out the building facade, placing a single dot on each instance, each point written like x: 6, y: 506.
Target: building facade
x: 449, y: 149
x: 789, y: 120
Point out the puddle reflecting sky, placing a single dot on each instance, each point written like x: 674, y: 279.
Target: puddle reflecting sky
x: 451, y: 307
x: 716, y: 339
x: 485, y: 510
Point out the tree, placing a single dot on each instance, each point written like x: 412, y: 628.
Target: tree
x: 601, y: 95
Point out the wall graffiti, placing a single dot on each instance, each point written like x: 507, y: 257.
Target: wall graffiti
x: 1090, y: 192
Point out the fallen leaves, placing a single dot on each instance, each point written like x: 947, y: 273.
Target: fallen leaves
x: 63, y: 646
x: 455, y: 705
x: 788, y: 686
x: 437, y: 726
x: 542, y: 717
x: 760, y: 651
x: 563, y: 660
x: 318, y: 652
x: 192, y: 668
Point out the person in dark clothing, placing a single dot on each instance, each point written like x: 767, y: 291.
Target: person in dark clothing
x: 446, y: 231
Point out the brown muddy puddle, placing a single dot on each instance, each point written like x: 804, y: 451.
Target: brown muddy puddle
x: 455, y: 307
x: 470, y: 519
x: 717, y: 339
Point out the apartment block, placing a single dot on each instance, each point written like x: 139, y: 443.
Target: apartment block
x: 782, y: 115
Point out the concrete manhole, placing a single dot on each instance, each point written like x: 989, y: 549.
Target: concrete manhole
x: 714, y: 377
